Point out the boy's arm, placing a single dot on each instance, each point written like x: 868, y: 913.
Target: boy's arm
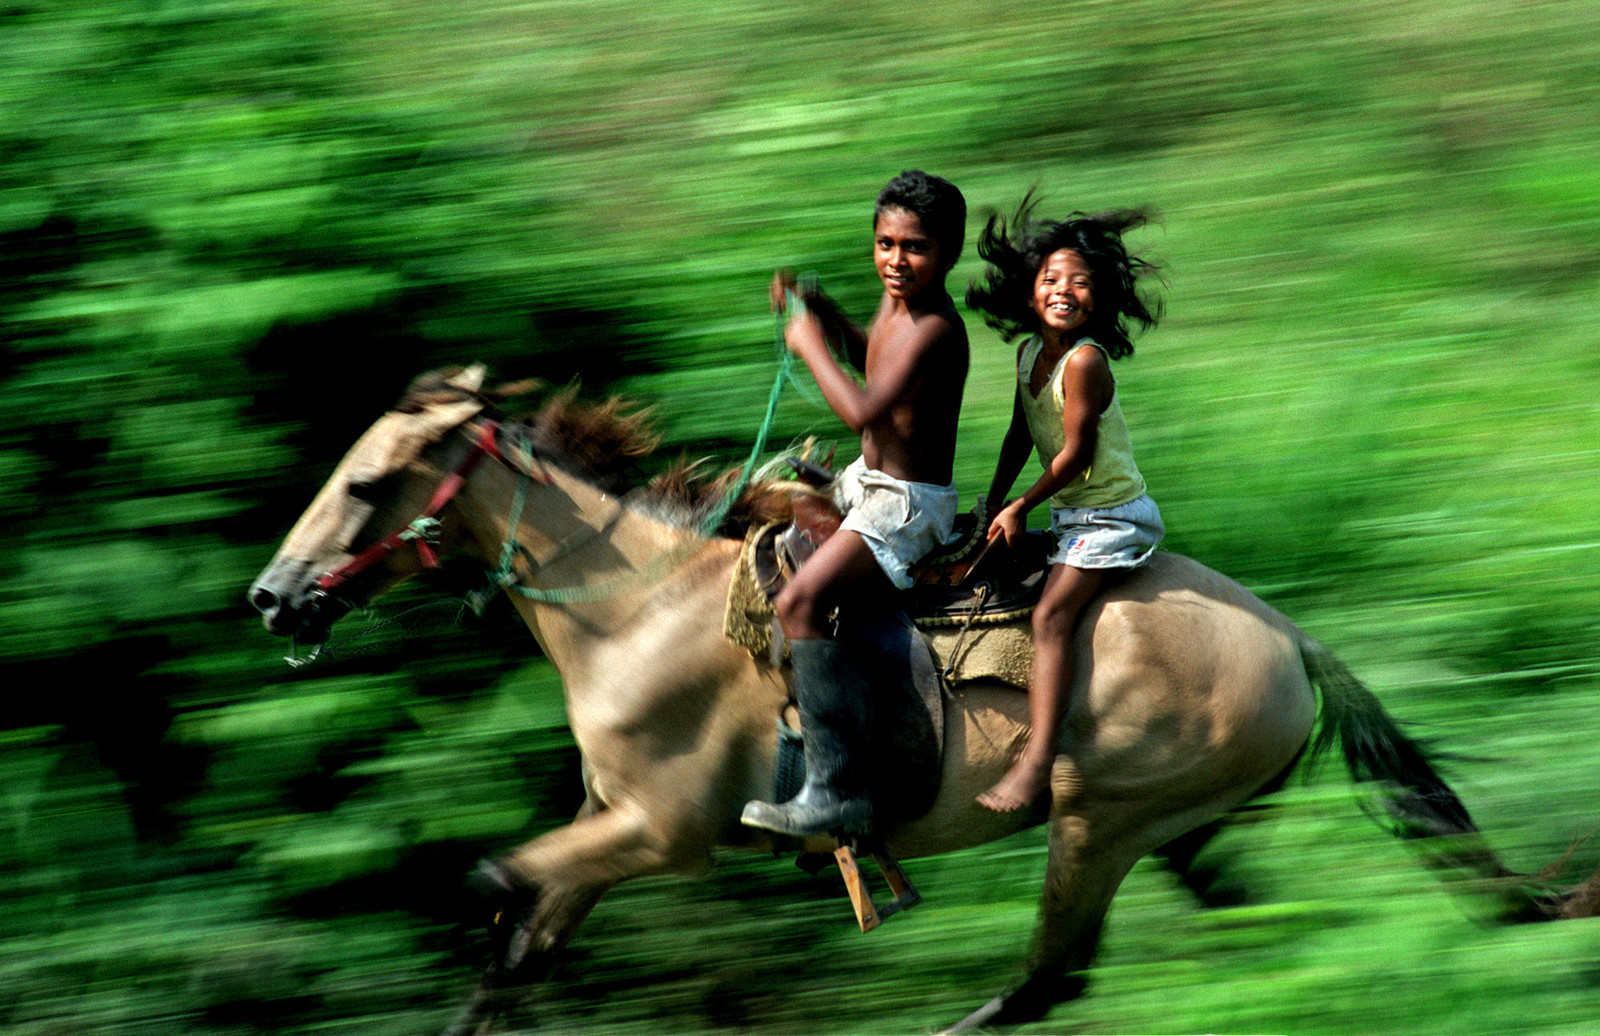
x: 851, y: 338
x: 836, y: 327
x: 859, y: 406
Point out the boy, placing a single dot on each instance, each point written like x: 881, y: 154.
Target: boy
x: 898, y: 499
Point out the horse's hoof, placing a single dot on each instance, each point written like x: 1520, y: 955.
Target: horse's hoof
x: 491, y: 880
x: 509, y: 904
x: 985, y: 1015
x: 504, y: 897
x: 1026, y: 1003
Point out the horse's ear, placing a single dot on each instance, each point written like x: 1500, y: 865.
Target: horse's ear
x: 514, y: 389
x: 446, y: 414
x: 469, y: 379
x: 442, y: 417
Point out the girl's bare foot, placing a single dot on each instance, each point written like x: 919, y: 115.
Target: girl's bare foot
x: 1025, y: 781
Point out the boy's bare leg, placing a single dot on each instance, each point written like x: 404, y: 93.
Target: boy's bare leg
x: 842, y: 571
x: 832, y: 691
x: 1066, y: 591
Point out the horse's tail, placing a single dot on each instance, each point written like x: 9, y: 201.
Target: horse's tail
x: 1419, y: 802
x: 1422, y: 805
x: 1375, y: 749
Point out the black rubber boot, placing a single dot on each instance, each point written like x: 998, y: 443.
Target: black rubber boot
x: 835, y: 701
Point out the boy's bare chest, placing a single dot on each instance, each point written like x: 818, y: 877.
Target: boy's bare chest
x: 892, y: 346
x: 916, y: 364
x: 888, y: 366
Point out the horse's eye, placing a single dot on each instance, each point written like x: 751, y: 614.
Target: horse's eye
x: 366, y: 492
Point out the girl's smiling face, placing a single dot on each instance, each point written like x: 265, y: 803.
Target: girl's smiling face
x: 1063, y: 294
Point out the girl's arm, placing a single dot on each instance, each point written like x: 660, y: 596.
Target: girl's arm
x: 1014, y: 450
x: 1086, y: 385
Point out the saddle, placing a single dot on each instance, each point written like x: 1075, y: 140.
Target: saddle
x: 964, y: 619
x: 968, y: 605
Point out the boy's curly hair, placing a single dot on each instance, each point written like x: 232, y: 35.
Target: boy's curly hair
x: 937, y: 202
x: 1016, y: 248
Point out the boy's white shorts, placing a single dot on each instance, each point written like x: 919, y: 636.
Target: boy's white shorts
x: 900, y: 521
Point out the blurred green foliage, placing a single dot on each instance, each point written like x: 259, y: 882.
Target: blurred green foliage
x: 231, y: 230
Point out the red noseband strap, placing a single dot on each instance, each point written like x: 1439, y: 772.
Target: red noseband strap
x: 424, y: 529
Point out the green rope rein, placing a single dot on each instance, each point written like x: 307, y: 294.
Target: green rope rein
x: 505, y: 576
x: 785, y: 373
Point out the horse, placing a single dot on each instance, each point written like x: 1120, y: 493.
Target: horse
x: 1191, y: 695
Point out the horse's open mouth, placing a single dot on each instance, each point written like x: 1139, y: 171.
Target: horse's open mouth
x: 311, y: 622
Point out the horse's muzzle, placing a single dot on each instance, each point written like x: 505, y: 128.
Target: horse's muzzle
x: 290, y: 603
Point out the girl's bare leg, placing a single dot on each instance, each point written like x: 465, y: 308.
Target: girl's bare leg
x: 1066, y: 591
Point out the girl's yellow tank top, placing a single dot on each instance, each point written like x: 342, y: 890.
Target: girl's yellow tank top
x: 1112, y: 477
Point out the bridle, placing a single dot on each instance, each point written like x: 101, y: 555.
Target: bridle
x: 423, y: 530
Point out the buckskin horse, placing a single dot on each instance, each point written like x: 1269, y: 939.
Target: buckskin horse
x: 1191, y: 694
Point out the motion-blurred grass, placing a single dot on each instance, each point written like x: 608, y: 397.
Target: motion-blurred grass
x: 230, y: 231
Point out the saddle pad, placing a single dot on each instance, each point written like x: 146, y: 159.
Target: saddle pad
x: 987, y: 652
x: 996, y: 645
x: 747, y: 615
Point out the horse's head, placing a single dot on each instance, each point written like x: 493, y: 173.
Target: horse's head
x: 348, y: 544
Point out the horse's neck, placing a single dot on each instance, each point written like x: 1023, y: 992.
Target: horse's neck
x: 599, y: 563
x: 643, y: 661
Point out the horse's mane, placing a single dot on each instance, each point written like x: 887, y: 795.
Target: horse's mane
x: 607, y: 444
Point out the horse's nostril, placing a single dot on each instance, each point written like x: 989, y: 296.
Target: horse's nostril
x: 264, y: 600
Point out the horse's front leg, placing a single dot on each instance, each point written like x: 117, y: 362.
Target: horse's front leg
x: 528, y: 929
x: 536, y: 915
x: 557, y: 878
x: 542, y: 891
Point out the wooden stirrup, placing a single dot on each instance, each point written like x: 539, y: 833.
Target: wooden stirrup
x: 868, y: 914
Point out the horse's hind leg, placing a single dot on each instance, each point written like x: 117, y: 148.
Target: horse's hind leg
x: 1202, y: 873
x: 1207, y: 873
x: 1080, y: 880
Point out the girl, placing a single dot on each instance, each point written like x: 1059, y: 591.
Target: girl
x: 1071, y: 285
